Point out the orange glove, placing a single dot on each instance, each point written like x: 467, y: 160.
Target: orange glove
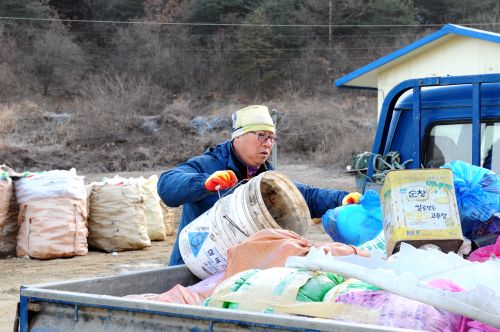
x: 221, y: 180
x: 352, y: 198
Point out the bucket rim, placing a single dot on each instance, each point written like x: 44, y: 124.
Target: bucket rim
x: 289, y: 185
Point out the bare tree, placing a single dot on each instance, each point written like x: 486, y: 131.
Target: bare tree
x: 8, y: 63
x: 165, y: 10
x: 56, y: 61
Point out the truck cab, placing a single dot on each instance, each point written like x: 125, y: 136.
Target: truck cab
x: 433, y: 121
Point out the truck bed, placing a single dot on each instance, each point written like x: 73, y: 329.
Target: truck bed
x: 96, y: 304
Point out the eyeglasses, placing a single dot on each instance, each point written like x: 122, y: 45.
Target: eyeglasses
x: 264, y: 137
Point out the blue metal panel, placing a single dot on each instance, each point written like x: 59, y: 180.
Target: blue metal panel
x: 476, y: 124
x: 388, y: 105
x: 23, y: 314
x: 392, y: 129
x: 417, y: 127
x: 445, y: 30
x: 456, y: 96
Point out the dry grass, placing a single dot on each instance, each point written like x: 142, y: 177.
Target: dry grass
x: 8, y: 122
x: 109, y: 105
x: 105, y: 131
x: 325, y: 130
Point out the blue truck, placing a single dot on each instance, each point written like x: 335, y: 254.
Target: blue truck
x: 435, y: 120
x: 428, y: 121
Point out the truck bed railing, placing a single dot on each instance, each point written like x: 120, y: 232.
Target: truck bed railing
x: 385, y: 132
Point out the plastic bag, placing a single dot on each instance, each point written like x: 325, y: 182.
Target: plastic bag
x: 267, y: 290
x: 271, y: 247
x: 400, y: 312
x: 481, y: 232
x: 485, y: 253
x: 206, y: 286
x: 177, y: 294
x: 355, y: 224
x: 377, y: 244
x: 51, y: 184
x: 478, y: 193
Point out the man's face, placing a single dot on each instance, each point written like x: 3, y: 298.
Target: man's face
x: 255, y: 147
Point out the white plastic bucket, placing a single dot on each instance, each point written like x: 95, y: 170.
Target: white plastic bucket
x: 269, y: 200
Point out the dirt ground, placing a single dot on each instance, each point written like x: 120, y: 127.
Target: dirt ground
x: 15, y: 272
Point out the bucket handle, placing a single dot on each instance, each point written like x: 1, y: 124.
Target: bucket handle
x: 225, y: 212
x: 231, y: 190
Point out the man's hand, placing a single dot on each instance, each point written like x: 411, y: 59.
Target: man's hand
x: 221, y: 180
x: 352, y: 198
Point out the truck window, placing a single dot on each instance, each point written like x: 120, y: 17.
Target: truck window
x: 442, y: 145
x: 490, y: 147
x: 449, y: 142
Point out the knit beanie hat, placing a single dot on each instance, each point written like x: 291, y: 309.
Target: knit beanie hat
x: 252, y: 118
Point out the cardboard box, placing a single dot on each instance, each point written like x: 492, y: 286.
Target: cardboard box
x: 419, y: 207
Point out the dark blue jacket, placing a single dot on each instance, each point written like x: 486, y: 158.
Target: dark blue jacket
x: 185, y: 185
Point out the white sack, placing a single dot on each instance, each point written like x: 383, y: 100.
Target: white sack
x: 154, y: 213
x: 6, y: 191
x: 117, y: 219
x: 52, y: 228
x: 8, y: 236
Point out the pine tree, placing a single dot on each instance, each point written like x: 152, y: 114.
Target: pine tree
x: 22, y: 8
x: 256, y: 59
x: 215, y: 11
x: 390, y: 12
x: 452, y: 11
x: 165, y: 10
x: 280, y: 13
x: 110, y: 10
x: 127, y: 9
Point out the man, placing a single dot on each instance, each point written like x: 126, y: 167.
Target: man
x: 195, y: 182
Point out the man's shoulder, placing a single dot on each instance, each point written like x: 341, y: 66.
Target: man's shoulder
x: 220, y: 151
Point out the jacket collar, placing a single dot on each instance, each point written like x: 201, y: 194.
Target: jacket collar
x: 225, y: 151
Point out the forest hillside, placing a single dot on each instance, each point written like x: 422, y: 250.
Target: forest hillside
x: 128, y: 85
